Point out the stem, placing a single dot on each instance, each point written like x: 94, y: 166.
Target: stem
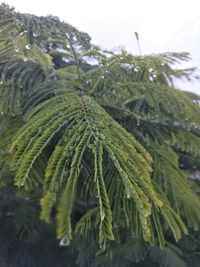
x: 138, y: 43
x: 139, y: 48
x: 75, y: 57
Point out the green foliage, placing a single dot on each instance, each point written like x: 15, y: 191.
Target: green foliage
x: 169, y: 256
x: 83, y: 123
x: 102, y: 143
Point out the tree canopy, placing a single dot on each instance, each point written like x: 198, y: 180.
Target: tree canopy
x: 96, y: 149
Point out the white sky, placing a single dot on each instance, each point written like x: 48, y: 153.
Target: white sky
x: 163, y: 25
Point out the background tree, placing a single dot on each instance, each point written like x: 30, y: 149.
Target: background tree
x: 102, y: 143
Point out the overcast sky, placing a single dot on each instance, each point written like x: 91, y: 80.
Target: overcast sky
x: 163, y: 25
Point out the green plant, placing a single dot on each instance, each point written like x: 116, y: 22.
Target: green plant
x: 99, y: 144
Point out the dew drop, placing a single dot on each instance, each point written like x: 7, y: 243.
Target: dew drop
x: 25, y: 59
x: 17, y: 50
x: 150, y: 70
x: 1, y: 82
x: 35, y: 34
x: 151, y: 78
x: 136, y: 69
x: 102, y: 77
x: 64, y: 242
x: 154, y: 75
x: 102, y: 215
x: 28, y: 46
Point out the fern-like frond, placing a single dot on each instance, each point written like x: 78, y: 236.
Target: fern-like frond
x: 104, y: 205
x: 134, y: 249
x: 17, y: 77
x: 169, y: 256
x: 149, y: 100
x: 175, y: 185
x: 88, y: 221
x: 70, y: 127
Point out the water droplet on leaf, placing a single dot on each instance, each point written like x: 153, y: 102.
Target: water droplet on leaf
x: 102, y: 215
x: 150, y: 70
x: 64, y: 242
x: 28, y: 46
